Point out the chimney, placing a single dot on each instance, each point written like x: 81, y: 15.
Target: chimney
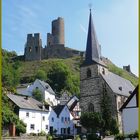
x: 26, y: 98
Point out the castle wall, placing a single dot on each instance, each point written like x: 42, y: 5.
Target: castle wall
x: 55, y: 47
x: 33, y: 47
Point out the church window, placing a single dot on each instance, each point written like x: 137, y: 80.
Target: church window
x: 88, y: 73
x: 30, y: 49
x: 91, y: 107
x: 36, y: 48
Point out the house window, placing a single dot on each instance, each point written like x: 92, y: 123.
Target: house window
x: 91, y: 107
x: 32, y: 127
x: 88, y: 73
x: 62, y: 119
x: 27, y: 114
x: 43, y: 118
x: 52, y: 119
x: 65, y: 119
x: 46, y: 127
x: 68, y: 119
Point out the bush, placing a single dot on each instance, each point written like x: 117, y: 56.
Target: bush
x: 122, y: 137
x: 42, y: 133
x: 49, y: 137
x: 93, y: 136
x: 77, y: 137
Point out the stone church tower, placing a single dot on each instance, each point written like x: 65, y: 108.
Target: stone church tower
x: 97, y: 82
x: 90, y: 80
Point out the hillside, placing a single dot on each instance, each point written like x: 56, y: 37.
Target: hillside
x: 28, y: 69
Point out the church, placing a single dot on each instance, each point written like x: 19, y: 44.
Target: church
x: 96, y: 80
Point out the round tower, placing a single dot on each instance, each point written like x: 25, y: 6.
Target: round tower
x: 58, y: 31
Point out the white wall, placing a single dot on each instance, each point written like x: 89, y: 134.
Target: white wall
x: 130, y: 117
x: 35, y: 117
x: 130, y: 120
x: 58, y: 124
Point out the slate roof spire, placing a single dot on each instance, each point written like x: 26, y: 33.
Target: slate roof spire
x: 92, y: 46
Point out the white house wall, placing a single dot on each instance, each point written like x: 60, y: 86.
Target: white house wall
x: 50, y: 97
x: 130, y: 120
x: 58, y: 124
x: 130, y: 116
x: 35, y: 117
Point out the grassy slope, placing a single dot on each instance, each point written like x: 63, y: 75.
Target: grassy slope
x: 31, y: 67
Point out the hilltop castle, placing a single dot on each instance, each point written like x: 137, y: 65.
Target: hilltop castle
x: 55, y: 47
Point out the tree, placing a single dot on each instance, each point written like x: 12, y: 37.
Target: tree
x: 61, y: 78
x: 37, y: 95
x: 92, y: 121
x: 41, y: 75
x: 110, y: 122
x: 9, y: 117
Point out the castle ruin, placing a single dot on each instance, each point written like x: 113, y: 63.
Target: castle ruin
x: 55, y: 47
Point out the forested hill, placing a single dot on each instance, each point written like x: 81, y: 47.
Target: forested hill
x: 61, y: 74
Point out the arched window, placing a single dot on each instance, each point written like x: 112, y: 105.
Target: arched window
x: 90, y: 107
x: 30, y: 49
x: 88, y: 73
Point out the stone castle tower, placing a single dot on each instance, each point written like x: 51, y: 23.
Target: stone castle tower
x: 57, y: 36
x: 55, y: 46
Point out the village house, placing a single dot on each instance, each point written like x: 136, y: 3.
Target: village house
x: 129, y: 112
x: 47, y: 92
x: 39, y: 117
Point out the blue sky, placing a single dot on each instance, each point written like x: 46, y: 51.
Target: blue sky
x: 115, y: 21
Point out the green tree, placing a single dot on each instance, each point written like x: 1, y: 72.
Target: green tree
x: 8, y: 115
x: 110, y: 122
x: 41, y: 75
x: 92, y: 121
x: 61, y: 78
x: 37, y: 95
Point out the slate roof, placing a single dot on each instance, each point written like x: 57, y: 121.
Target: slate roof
x: 93, y: 50
x: 46, y: 86
x: 135, y: 92
x: 72, y: 102
x: 118, y: 84
x: 26, y: 102
x: 58, y: 109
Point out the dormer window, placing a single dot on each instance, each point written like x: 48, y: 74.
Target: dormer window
x: 120, y: 88
x: 88, y: 73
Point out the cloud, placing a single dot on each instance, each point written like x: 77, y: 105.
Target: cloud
x: 83, y: 28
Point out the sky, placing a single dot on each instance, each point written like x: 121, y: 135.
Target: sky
x: 115, y: 21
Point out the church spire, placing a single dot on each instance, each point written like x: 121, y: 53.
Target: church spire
x: 92, y: 46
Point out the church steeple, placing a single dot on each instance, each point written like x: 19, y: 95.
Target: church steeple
x: 92, y: 46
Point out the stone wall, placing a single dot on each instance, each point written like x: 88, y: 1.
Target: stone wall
x: 25, y: 138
